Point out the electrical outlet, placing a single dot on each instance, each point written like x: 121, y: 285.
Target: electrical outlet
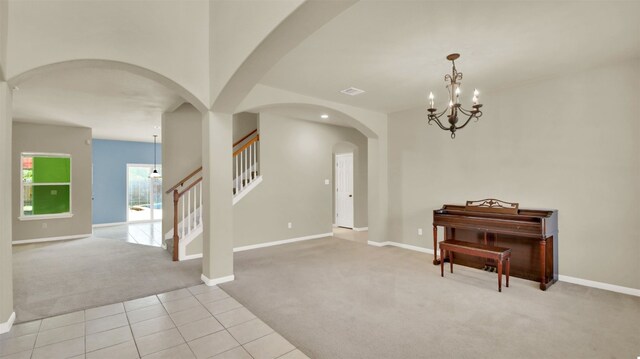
x: 44, y: 225
x: 326, y: 181
x: 289, y: 225
x: 419, y: 231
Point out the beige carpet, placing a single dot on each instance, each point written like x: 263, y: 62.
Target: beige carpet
x: 63, y: 277
x: 335, y: 298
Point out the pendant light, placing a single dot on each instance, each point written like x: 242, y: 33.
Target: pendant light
x: 155, y: 173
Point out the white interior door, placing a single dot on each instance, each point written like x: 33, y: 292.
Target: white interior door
x: 344, y: 190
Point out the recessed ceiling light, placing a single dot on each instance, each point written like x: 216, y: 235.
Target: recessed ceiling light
x: 352, y: 91
x: 325, y: 116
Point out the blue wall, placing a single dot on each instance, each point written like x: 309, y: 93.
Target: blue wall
x: 110, y: 160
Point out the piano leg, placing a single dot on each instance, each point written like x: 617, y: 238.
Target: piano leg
x: 435, y: 246
x: 441, y: 263
x: 543, y: 264
x: 499, y: 275
x: 508, y: 267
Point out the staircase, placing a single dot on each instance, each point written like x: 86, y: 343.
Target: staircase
x: 187, y: 214
x: 187, y: 196
x: 246, y: 169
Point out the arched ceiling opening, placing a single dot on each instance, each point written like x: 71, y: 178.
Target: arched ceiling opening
x: 118, y: 101
x: 316, y: 113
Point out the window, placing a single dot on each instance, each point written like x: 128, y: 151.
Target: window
x: 46, y: 186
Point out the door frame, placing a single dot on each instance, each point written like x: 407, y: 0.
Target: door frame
x: 335, y: 189
x: 151, y: 201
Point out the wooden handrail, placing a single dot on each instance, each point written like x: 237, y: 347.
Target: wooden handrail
x: 190, y: 187
x: 245, y: 137
x: 246, y: 145
x: 181, y: 182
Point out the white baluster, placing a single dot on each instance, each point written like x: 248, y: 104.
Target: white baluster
x: 189, y: 212
x: 246, y: 163
x: 249, y: 174
x: 182, y: 221
x: 253, y: 146
x: 236, y: 179
x: 241, y: 169
x: 200, y: 206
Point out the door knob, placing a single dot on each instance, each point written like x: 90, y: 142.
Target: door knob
x: 350, y: 195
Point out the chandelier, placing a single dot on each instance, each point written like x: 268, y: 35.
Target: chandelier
x: 455, y: 108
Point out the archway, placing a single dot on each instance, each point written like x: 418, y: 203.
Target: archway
x: 23, y: 80
x: 15, y: 81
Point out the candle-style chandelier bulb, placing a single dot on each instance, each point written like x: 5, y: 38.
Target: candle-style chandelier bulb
x: 455, y: 108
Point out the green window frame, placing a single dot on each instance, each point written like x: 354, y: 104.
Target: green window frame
x: 45, y: 190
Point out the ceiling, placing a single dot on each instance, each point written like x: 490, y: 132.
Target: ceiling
x: 309, y: 113
x: 114, y: 103
x: 395, y: 50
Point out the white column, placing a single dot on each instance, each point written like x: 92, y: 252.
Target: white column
x: 217, y: 169
x: 378, y: 190
x: 7, y: 315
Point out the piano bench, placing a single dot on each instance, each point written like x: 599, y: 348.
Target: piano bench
x: 499, y: 254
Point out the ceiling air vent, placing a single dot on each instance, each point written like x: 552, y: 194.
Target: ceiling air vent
x: 352, y: 91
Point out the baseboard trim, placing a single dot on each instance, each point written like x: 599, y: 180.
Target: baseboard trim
x: 361, y: 229
x: 216, y: 281
x: 600, y: 285
x: 562, y: 278
x: 6, y: 326
x: 108, y: 224
x: 51, y: 239
x: 400, y: 245
x: 285, y: 241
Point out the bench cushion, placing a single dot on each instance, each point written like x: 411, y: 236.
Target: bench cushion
x: 452, y: 244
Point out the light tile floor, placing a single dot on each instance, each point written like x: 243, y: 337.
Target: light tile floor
x: 148, y: 234
x: 196, y: 322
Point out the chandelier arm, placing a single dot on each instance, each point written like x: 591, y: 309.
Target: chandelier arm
x: 465, y: 123
x: 437, y: 121
x: 464, y: 111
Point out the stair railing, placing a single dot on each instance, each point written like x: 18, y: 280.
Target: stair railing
x: 191, y: 215
x: 245, y: 160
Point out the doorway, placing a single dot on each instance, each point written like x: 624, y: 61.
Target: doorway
x: 144, y: 194
x: 344, y: 190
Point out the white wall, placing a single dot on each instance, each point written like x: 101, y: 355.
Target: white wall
x: 168, y: 37
x: 237, y: 27
x: 29, y: 137
x: 296, y: 157
x: 243, y: 124
x: 570, y: 143
x: 6, y: 202
x: 181, y: 153
x: 370, y: 123
x: 4, y: 26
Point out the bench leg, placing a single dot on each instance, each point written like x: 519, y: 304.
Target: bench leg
x: 500, y: 275
x: 441, y: 262
x: 507, y: 272
x: 451, y: 261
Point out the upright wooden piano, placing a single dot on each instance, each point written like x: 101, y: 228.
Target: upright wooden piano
x: 532, y: 235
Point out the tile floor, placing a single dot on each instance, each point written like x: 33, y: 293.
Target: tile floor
x: 196, y: 322
x: 148, y: 234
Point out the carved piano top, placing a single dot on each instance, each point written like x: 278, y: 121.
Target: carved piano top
x: 496, y: 216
